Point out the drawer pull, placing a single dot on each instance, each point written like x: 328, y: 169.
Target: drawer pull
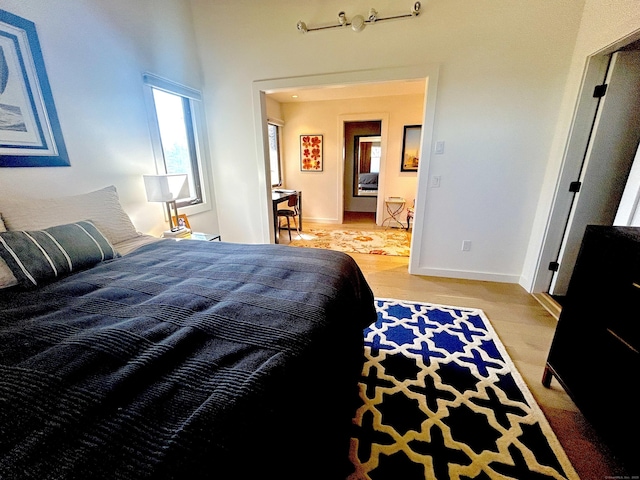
x: 636, y: 284
x: 622, y: 340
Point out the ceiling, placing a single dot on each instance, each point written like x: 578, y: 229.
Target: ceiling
x: 340, y: 92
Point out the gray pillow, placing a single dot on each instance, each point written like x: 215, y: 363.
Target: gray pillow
x: 37, y: 257
x: 102, y: 207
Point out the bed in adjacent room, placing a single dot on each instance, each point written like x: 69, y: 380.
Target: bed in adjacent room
x: 174, y: 359
x: 368, y: 183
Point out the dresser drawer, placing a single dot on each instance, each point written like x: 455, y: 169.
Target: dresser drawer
x: 595, y: 353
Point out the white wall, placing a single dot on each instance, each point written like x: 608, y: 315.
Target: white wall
x: 320, y: 189
x: 603, y: 24
x: 95, y: 53
x: 274, y: 109
x: 503, y: 66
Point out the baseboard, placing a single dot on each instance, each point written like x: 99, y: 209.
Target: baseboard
x: 321, y: 220
x: 465, y: 274
x: 549, y: 304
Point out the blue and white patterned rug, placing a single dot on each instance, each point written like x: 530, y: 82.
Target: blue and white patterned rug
x: 443, y: 400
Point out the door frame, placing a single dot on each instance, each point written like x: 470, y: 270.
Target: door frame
x: 429, y: 72
x: 578, y: 140
x: 608, y: 158
x: 342, y: 155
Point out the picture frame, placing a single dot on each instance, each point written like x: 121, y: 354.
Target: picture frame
x: 311, y: 153
x: 410, y: 159
x: 30, y: 133
x: 183, y: 221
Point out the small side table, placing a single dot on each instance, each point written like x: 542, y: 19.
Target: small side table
x: 395, y: 206
x: 207, y: 237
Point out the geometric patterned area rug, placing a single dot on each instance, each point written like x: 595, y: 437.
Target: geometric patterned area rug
x: 441, y: 399
x: 393, y: 241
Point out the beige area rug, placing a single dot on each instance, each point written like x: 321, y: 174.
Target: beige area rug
x: 379, y: 242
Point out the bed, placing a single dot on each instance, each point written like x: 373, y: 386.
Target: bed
x: 368, y: 181
x: 173, y: 359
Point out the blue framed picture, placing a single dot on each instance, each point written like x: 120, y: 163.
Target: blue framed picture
x: 30, y: 133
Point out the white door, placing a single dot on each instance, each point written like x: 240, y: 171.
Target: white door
x: 609, y: 156
x: 628, y: 214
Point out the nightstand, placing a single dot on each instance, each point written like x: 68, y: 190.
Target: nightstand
x: 207, y: 237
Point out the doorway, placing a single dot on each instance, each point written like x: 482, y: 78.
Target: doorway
x: 608, y: 150
x: 426, y: 73
x: 362, y: 159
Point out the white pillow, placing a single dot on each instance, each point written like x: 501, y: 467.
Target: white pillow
x: 102, y: 207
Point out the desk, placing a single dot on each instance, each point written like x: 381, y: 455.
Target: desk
x: 278, y: 198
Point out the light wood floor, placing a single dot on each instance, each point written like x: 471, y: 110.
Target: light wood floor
x: 523, y: 325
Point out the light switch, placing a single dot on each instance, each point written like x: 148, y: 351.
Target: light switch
x: 439, y: 147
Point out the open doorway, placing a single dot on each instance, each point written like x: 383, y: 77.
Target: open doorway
x: 362, y: 161
x: 607, y: 162
x: 426, y: 74
x: 598, y: 158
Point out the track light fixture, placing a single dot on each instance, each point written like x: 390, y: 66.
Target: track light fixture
x: 358, y: 22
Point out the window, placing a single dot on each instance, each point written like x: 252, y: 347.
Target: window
x: 275, y: 154
x: 174, y: 133
x: 376, y: 153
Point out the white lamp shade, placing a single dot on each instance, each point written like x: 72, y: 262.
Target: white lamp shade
x: 166, y: 188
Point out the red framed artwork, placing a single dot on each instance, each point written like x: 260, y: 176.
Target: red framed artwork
x: 311, y: 153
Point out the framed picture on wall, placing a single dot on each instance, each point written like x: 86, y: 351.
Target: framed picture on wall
x: 411, y: 148
x: 311, y: 153
x: 30, y: 134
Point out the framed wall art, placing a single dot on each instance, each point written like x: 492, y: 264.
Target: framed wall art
x: 411, y: 148
x: 311, y: 153
x: 30, y: 133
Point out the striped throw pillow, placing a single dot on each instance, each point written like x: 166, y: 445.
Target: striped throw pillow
x: 37, y: 257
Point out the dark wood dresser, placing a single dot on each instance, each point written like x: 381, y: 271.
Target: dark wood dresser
x: 595, y: 354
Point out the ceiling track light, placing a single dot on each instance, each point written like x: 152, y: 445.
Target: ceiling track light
x: 358, y: 22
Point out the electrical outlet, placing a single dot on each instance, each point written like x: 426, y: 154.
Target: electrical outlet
x: 466, y: 245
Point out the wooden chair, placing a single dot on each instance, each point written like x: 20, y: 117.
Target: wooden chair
x: 293, y: 212
x: 410, y: 212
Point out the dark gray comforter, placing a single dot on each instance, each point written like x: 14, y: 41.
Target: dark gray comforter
x: 185, y: 360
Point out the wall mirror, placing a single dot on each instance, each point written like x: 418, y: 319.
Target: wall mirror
x: 368, y: 150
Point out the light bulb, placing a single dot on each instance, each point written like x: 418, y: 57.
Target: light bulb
x: 357, y: 23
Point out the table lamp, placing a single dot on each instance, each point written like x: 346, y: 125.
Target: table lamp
x: 167, y: 189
